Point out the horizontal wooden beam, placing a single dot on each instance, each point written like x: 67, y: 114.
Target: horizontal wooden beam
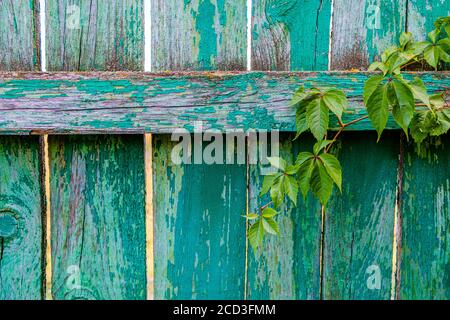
x: 121, y: 102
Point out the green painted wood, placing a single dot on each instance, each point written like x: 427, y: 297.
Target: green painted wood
x: 18, y: 35
x: 422, y: 14
x: 425, y: 253
x: 199, y: 35
x: 98, y: 217
x: 363, y: 29
x: 290, y: 35
x: 287, y: 267
x: 359, y: 225
x: 199, y: 231
x: 159, y: 103
x: 95, y: 35
x: 20, y: 219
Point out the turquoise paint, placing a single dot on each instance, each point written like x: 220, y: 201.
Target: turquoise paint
x: 207, y: 46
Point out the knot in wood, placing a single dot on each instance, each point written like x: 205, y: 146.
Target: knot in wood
x: 9, y: 224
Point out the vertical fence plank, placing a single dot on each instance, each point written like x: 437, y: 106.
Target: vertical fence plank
x: 98, y: 217
x: 199, y: 35
x: 18, y: 34
x: 422, y: 14
x: 200, y: 234
x: 363, y: 29
x: 95, y: 35
x: 290, y: 35
x: 20, y: 219
x: 286, y: 267
x: 360, y: 221
x: 425, y: 255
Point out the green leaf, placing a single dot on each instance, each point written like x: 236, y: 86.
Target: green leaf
x: 304, y: 173
x: 277, y: 192
x: 278, y: 163
x: 433, y: 35
x: 333, y: 168
x: 320, y: 145
x: 321, y: 183
x: 431, y: 56
x: 370, y: 86
x: 405, y: 39
x: 336, y: 101
x: 442, y: 125
x: 377, y: 65
x: 419, y: 90
x: 291, y: 169
x: 269, y: 213
x: 256, y: 234
x: 298, y: 96
x: 300, y: 122
x: 317, y: 116
x: 291, y: 188
x: 403, y: 109
x: 268, y: 182
x: 303, y: 157
x: 378, y: 108
x: 437, y: 100
x: 418, y: 128
x: 251, y: 216
x: 270, y: 226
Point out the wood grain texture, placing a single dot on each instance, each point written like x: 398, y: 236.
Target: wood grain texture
x: 18, y: 35
x: 359, y: 222
x: 98, y: 217
x: 425, y: 260
x: 423, y: 13
x: 20, y: 219
x: 287, y: 267
x: 95, y: 35
x: 290, y: 34
x: 199, y: 230
x: 363, y: 29
x: 199, y: 35
x: 159, y: 103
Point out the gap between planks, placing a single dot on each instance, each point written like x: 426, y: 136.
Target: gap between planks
x: 397, y: 230
x: 149, y: 220
x: 46, y: 218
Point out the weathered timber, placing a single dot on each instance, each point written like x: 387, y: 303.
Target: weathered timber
x: 199, y: 35
x: 422, y: 15
x: 286, y: 267
x: 425, y: 252
x: 98, y: 217
x: 359, y: 223
x: 199, y: 229
x: 159, y: 103
x: 18, y: 35
x: 290, y: 35
x: 95, y: 35
x: 362, y: 29
x: 20, y: 219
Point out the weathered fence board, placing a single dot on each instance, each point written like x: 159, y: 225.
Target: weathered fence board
x: 199, y: 35
x: 122, y: 102
x: 422, y: 14
x: 290, y: 35
x: 363, y: 29
x: 95, y: 35
x: 200, y: 246
x: 425, y: 250
x: 18, y: 35
x: 286, y: 267
x: 359, y: 224
x: 98, y: 217
x: 20, y: 219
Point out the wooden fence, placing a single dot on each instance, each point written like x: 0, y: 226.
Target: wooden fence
x: 91, y: 206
